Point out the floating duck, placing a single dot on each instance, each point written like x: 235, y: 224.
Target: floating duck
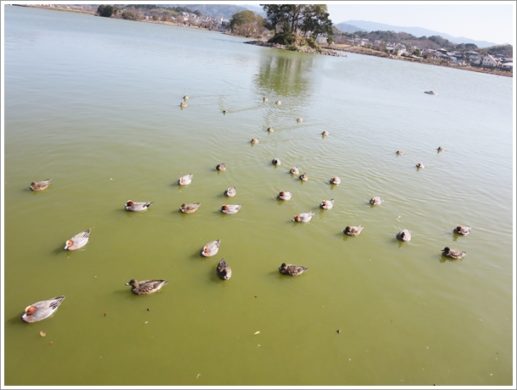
x: 230, y: 192
x: 132, y: 205
x: 325, y: 133
x: 41, y: 310
x: 40, y: 185
x: 439, y: 149
x: 292, y: 269
x: 211, y: 248
x: 78, y: 241
x: 303, y: 177
x: 221, y: 167
x: 224, y: 271
x: 303, y: 217
x: 230, y: 208
x: 462, y: 230
x: 353, y: 230
x: 189, y: 208
x: 327, y: 204
x: 375, y: 201
x: 430, y: 92
x: 185, y: 180
x: 183, y: 104
x: 420, y: 165
x: 278, y: 102
x: 146, y: 287
x: 299, y: 120
x: 264, y: 99
x: 404, y: 235
x: 399, y: 152
x: 294, y: 171
x: 284, y: 195
x: 276, y: 162
x: 186, y: 98
x: 254, y: 141
x: 224, y: 112
x: 454, y: 254
x: 270, y: 130
x: 335, y: 180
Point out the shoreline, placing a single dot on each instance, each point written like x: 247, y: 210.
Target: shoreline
x: 334, y: 50
x: 376, y: 53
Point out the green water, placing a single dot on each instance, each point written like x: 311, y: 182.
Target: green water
x: 93, y: 104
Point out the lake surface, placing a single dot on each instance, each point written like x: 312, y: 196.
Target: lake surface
x: 93, y: 103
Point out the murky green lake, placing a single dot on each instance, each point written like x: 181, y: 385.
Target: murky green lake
x: 93, y: 103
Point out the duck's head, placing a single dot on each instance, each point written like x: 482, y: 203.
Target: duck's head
x: 68, y: 244
x: 30, y: 310
x: 130, y: 203
x: 132, y: 283
x: 446, y: 249
x: 283, y: 266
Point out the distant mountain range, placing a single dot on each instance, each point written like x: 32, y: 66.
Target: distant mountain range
x: 351, y: 26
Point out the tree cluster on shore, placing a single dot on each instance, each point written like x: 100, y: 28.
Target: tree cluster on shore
x: 293, y: 26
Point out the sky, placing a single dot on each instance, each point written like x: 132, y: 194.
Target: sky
x: 492, y: 21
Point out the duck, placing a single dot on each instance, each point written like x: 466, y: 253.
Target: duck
x: 230, y: 192
x: 294, y: 171
x: 430, y: 92
x: 335, y: 180
x: 420, y: 165
x: 276, y: 162
x: 284, y: 195
x: 299, y: 120
x: 254, y: 141
x: 325, y: 133
x: 353, y: 230
x: 223, y: 270
x: 375, y: 201
x: 404, y: 235
x: 270, y: 130
x: 41, y: 310
x: 303, y: 177
x: 439, y: 149
x: 454, y: 254
x: 132, y: 205
x: 146, y: 287
x: 399, y: 152
x: 221, y: 167
x: 264, y: 99
x: 185, y: 180
x: 230, y: 208
x: 78, y: 241
x: 303, y: 217
x: 292, y: 269
x: 183, y: 104
x: 278, y: 102
x: 40, y: 185
x: 186, y: 98
x: 211, y: 248
x: 327, y: 204
x: 224, y: 112
x: 462, y: 230
x: 189, y: 208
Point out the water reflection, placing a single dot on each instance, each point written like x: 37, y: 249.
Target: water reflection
x: 285, y: 74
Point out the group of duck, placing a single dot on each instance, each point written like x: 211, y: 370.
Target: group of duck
x: 43, y: 309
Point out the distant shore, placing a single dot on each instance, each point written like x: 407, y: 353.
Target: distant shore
x: 371, y: 52
x: 336, y: 50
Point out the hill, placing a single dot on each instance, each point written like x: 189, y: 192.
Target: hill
x: 362, y: 25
